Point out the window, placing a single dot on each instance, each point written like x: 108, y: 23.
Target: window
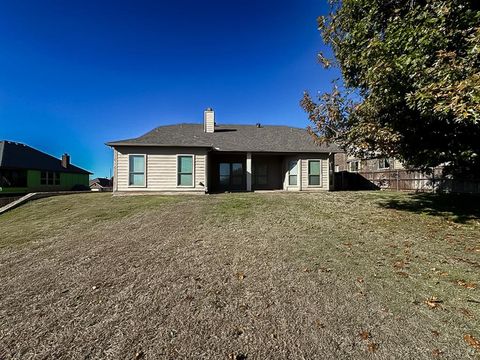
x: 185, y: 170
x: 383, y: 163
x: 136, y: 170
x: 354, y: 166
x: 292, y: 172
x: 237, y: 174
x: 231, y: 175
x: 261, y: 174
x: 314, y: 172
x: 49, y: 178
x: 224, y: 170
x: 13, y: 178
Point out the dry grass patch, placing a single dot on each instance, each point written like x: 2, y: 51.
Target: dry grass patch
x: 255, y: 276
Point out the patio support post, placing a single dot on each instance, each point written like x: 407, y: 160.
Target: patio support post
x: 249, y: 171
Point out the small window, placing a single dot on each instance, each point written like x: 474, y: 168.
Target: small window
x: 185, y: 170
x: 136, y: 170
x: 354, y: 166
x: 292, y: 172
x: 383, y: 163
x: 314, y: 172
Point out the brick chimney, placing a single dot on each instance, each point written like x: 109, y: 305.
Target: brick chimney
x: 65, y: 160
x: 209, y: 120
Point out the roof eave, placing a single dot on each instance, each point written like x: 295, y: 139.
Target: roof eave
x: 113, y: 144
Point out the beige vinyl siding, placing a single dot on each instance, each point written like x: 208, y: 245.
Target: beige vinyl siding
x: 161, y: 168
x: 302, y: 177
x: 324, y: 172
x: 397, y: 165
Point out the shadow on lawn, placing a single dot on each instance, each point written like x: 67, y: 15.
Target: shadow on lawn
x: 459, y: 208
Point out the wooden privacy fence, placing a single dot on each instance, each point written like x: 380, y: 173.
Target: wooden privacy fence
x: 403, y: 180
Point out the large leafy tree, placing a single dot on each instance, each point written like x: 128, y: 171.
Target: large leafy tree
x: 410, y: 83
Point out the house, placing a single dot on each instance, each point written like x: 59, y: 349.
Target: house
x: 344, y: 162
x: 24, y: 169
x: 352, y: 173
x: 101, y: 184
x: 220, y: 158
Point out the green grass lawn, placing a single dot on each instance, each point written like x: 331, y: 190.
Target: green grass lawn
x: 235, y: 276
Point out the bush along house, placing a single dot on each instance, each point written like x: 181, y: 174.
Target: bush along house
x: 24, y: 169
x: 221, y: 158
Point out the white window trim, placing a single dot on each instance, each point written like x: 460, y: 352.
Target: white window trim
x: 350, y: 167
x: 144, y: 171
x: 320, y: 175
x: 298, y: 168
x: 193, y: 172
x: 386, y: 167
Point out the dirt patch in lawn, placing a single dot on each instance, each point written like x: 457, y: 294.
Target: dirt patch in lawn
x: 255, y: 276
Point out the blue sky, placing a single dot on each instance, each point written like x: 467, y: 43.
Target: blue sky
x: 76, y: 74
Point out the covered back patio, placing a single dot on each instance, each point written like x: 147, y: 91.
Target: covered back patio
x: 228, y: 172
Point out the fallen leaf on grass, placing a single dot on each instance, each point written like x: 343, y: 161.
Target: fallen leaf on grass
x: 237, y: 357
x: 433, y: 302
x: 360, y: 279
x: 240, y: 275
x: 436, y: 352
x: 435, y: 333
x: 243, y: 307
x: 467, y: 313
x: 467, y: 285
x: 319, y: 324
x: 237, y: 332
x: 471, y: 341
x: 364, y: 335
x: 139, y: 355
x: 372, y: 347
x: 402, y: 273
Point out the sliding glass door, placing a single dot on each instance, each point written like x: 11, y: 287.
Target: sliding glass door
x: 231, y: 176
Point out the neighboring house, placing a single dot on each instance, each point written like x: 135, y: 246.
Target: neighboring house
x: 24, y: 169
x: 344, y: 162
x: 384, y: 173
x: 101, y: 184
x: 211, y: 158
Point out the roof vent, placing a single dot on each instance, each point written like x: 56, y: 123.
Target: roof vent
x: 258, y: 125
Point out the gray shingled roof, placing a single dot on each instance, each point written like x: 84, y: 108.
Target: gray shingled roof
x: 103, y: 182
x: 15, y: 155
x: 245, y: 138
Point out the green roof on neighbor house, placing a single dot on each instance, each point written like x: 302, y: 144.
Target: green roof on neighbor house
x: 14, y: 155
x: 231, y: 138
